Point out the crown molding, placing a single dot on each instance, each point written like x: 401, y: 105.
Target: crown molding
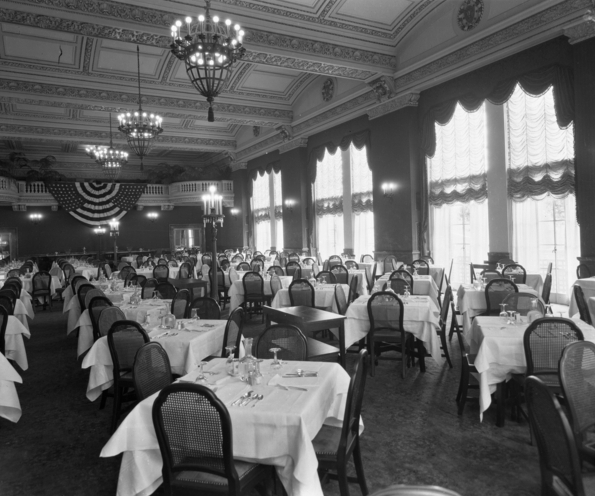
x: 582, y: 29
x: 394, y: 104
x: 293, y: 144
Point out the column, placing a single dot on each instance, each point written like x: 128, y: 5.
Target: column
x: 347, y: 206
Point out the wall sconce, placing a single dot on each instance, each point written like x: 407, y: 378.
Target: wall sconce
x: 388, y: 190
x: 35, y: 218
x: 234, y: 212
x: 289, y: 204
x: 114, y: 228
x: 152, y: 216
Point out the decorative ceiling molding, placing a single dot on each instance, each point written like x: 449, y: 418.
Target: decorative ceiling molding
x: 581, y: 30
x: 123, y: 98
x: 253, y: 151
x: 491, y: 42
x: 293, y: 144
x: 408, y: 100
x: 236, y: 166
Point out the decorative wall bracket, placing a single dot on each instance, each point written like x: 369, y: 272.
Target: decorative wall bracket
x: 581, y: 29
x: 383, y: 87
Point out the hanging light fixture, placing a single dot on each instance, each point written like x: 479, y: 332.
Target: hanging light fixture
x: 209, y: 49
x: 140, y: 128
x: 110, y: 159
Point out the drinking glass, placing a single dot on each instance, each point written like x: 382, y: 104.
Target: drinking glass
x: 194, y: 316
x: 503, y: 311
x: 548, y: 309
x: 276, y: 363
x: 201, y: 374
x: 510, y: 317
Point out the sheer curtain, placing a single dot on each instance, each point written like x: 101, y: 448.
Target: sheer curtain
x: 278, y: 201
x: 457, y: 193
x: 541, y: 186
x: 261, y: 209
x: 328, y: 194
x: 361, y: 202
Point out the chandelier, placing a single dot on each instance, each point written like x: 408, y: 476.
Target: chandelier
x: 110, y: 159
x: 139, y: 127
x: 209, y: 49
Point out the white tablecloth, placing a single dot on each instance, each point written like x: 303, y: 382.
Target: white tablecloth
x: 26, y: 299
x: 185, y: 350
x: 471, y: 302
x: 10, y: 407
x: 173, y: 273
x: 13, y: 340
x: 535, y: 281
x: 28, y: 284
x: 20, y: 312
x: 588, y: 286
x: 278, y: 431
x: 236, y: 290
x: 500, y: 352
x: 88, y: 272
x: 324, y: 297
x: 422, y: 285
x: 421, y: 318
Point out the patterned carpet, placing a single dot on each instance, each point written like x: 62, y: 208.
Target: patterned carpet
x: 412, y: 435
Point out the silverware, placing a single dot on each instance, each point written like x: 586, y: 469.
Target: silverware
x: 241, y: 398
x: 287, y: 388
x: 258, y: 398
x: 249, y: 398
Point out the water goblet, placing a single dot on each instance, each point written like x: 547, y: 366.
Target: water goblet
x: 201, y: 374
x: 276, y: 363
x: 503, y: 311
x: 548, y: 309
x: 194, y: 316
x: 510, y: 317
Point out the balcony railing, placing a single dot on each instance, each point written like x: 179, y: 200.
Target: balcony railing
x: 184, y: 193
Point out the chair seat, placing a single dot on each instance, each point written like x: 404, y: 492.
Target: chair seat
x: 326, y: 442
x: 198, y: 481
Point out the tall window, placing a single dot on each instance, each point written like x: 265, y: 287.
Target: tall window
x: 457, y: 176
x: 541, y: 186
x: 278, y: 204
x: 267, y: 204
x: 343, y: 202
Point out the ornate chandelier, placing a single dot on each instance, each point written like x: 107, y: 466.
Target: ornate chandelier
x: 139, y: 127
x: 110, y: 159
x: 209, y: 49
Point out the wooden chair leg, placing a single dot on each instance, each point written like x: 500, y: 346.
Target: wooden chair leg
x: 500, y: 410
x: 342, y: 478
x: 403, y: 354
x: 421, y: 352
x: 359, y: 469
x: 372, y: 355
x: 103, y: 399
x: 116, y: 409
x: 464, y: 386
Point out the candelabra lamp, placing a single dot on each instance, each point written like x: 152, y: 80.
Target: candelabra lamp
x: 214, y: 219
x: 99, y: 231
x: 114, y: 231
x: 388, y: 190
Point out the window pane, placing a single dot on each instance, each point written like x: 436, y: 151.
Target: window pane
x: 362, y: 203
x: 361, y: 175
x: 329, y: 177
x: 263, y: 235
x: 279, y: 244
x: 363, y: 234
x: 277, y: 189
x: 330, y: 235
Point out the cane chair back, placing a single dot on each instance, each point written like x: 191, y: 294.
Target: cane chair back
x: 253, y: 286
x: 69, y: 271
x: 276, y: 285
x: 161, y: 272
x: 206, y: 307
x: 277, y: 270
x: 403, y: 275
x: 166, y: 290
x: 421, y: 266
x: 244, y: 266
x: 6, y: 303
x: 293, y: 257
x: 489, y: 274
x: 289, y: 338
x: 257, y: 265
x: 10, y: 294
x: 371, y: 278
x: 341, y: 274
x: 495, y: 292
x: 149, y: 287
x: 326, y: 275
x: 41, y: 283
x: 185, y: 271
x: 583, y: 309
x: 543, y: 341
x: 233, y: 332
x: 3, y: 324
x: 82, y: 291
x: 107, y: 317
x: 308, y: 261
x: 92, y: 293
x: 547, y: 289
x: 522, y: 303
x: 340, y: 300
x: 179, y: 304
x: 17, y: 281
x: 292, y: 268
x: 301, y: 293
x: 351, y: 264
x: 151, y: 371
x: 334, y: 260
x: 13, y: 273
x: 353, y: 286
x: 558, y: 455
x: 583, y: 271
x: 367, y: 259
x: 95, y: 307
x: 126, y: 271
x: 162, y: 261
x: 516, y: 271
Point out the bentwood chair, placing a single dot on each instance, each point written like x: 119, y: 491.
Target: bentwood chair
x: 559, y: 459
x: 351, y: 264
x: 124, y: 339
x: 367, y: 259
x: 583, y: 309
x: 334, y: 260
x: 341, y: 273
x: 340, y: 300
x: 516, y: 271
x: 149, y: 287
x: 96, y: 306
x: 495, y: 292
x: 17, y: 281
x: 583, y: 271
x: 107, y: 318
x: 13, y: 273
x: 276, y: 270
x: 353, y: 285
x: 390, y: 264
x: 42, y: 287
x: 444, y: 322
x: 179, y: 304
x: 576, y: 368
x: 421, y: 266
x: 3, y: 323
x: 291, y: 268
x: 233, y: 332
x: 206, y: 308
x: 166, y: 290
x: 151, y: 371
x: 276, y: 285
x: 125, y: 271
x: 371, y: 278
x: 334, y: 446
x: 293, y: 257
x: 6, y: 303
x: 10, y: 294
x: 244, y: 266
x: 161, y: 272
x: 254, y: 296
x: 291, y: 341
x: 308, y: 261
x: 89, y: 295
x: 221, y: 286
x: 195, y: 437
x: 325, y: 274
x: 547, y: 288
x: 301, y: 293
x: 522, y: 303
x: 398, y: 276
x: 489, y: 274
x: 403, y: 490
x: 81, y: 293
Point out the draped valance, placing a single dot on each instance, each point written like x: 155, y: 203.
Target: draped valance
x: 362, y: 202
x: 253, y: 173
x: 329, y: 206
x: 261, y: 215
x: 536, y: 182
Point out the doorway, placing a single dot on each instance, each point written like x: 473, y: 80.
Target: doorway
x: 185, y: 236
x: 8, y: 243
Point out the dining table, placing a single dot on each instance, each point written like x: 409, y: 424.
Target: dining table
x: 185, y: 348
x: 13, y: 342
x: 471, y: 302
x: 324, y: 297
x: 10, y: 406
x: 28, y: 284
x: 499, y: 352
x: 173, y: 272
x: 236, y: 290
x: 422, y: 285
x: 278, y: 430
x: 421, y: 317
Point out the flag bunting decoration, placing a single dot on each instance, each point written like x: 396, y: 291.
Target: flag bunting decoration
x: 96, y: 203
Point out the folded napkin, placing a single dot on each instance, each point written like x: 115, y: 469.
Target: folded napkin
x: 292, y: 382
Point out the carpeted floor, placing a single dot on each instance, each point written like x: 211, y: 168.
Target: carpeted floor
x: 412, y: 435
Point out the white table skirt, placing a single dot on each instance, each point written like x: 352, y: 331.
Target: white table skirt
x: 422, y: 285
x: 13, y: 340
x: 185, y: 350
x: 236, y: 291
x: 10, y: 407
x: 421, y: 318
x: 291, y: 418
x: 471, y: 302
x: 20, y: 312
x: 324, y: 297
x: 500, y: 352
x: 28, y: 285
x: 26, y: 299
x: 535, y: 281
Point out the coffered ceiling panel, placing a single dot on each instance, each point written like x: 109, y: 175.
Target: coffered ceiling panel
x: 117, y: 57
x: 270, y: 81
x: 384, y: 15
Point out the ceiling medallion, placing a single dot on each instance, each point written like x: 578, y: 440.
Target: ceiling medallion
x: 328, y: 90
x: 209, y: 49
x: 140, y: 128
x: 469, y: 14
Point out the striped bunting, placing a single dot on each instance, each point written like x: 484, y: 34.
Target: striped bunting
x: 96, y: 203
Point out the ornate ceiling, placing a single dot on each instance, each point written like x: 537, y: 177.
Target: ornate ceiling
x: 310, y: 64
